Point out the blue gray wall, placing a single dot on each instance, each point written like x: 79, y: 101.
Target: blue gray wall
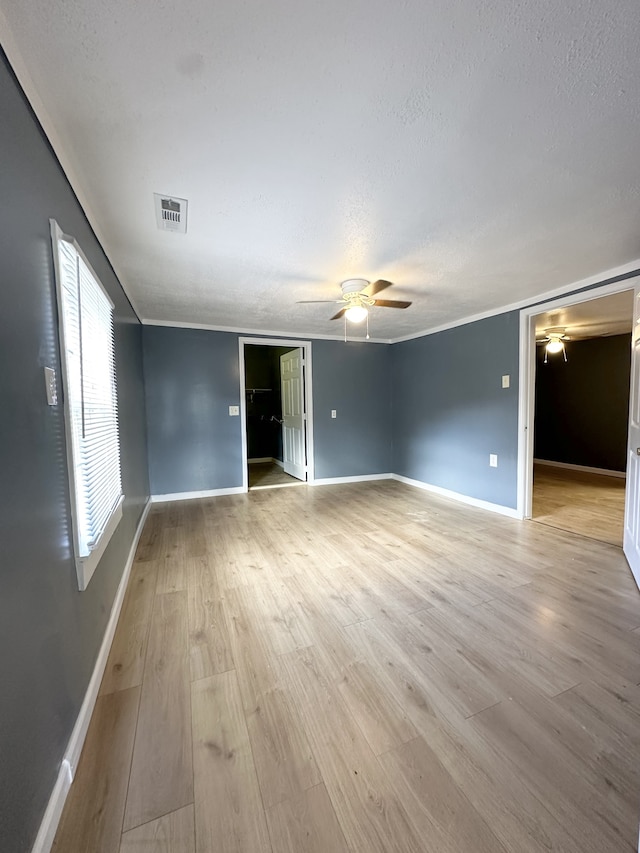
x: 450, y: 411
x: 192, y: 377
x: 444, y: 391
x: 354, y: 379
x: 50, y: 633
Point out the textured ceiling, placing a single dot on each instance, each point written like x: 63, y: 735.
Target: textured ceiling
x: 609, y: 315
x: 475, y: 153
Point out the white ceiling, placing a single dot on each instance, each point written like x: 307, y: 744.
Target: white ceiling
x: 609, y: 315
x: 475, y: 152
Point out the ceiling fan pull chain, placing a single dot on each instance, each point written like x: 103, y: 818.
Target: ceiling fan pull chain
x: 345, y: 328
x: 367, y: 325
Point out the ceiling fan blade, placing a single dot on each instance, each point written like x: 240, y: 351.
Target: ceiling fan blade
x: 339, y: 314
x: 317, y: 301
x: 392, y: 303
x: 377, y: 286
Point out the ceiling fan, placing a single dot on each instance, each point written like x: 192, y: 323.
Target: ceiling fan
x: 358, y: 296
x: 554, y: 340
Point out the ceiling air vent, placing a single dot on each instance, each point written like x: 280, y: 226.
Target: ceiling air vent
x: 171, y: 213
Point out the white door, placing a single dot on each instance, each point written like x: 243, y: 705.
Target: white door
x: 294, y: 455
x: 632, y: 497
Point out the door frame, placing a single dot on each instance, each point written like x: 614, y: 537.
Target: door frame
x: 308, y: 399
x: 527, y: 378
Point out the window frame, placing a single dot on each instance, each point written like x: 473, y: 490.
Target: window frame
x: 85, y: 565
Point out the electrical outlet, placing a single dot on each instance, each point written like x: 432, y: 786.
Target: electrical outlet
x: 333, y: 413
x: 234, y: 411
x: 506, y: 380
x: 493, y: 460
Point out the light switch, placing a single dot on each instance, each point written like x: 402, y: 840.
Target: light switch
x: 493, y: 460
x: 506, y: 380
x: 333, y: 413
x: 234, y: 411
x: 51, y: 386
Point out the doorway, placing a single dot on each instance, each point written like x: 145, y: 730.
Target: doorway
x: 576, y: 407
x: 277, y: 436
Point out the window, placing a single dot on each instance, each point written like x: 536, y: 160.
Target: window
x: 85, y: 317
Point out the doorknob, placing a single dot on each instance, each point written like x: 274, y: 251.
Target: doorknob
x: 637, y: 451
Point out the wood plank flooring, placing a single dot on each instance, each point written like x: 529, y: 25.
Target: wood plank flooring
x: 364, y: 668
x: 591, y: 505
x: 263, y: 475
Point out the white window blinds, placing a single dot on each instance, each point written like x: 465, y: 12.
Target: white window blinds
x: 87, y: 344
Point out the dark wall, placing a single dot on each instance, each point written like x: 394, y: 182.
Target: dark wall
x: 50, y: 633
x: 192, y: 377
x: 450, y: 411
x: 582, y: 405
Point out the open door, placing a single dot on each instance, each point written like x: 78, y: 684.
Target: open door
x: 632, y: 498
x: 293, y: 414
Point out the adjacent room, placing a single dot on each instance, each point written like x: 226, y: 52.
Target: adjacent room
x: 582, y: 415
x: 268, y: 400
x: 307, y: 546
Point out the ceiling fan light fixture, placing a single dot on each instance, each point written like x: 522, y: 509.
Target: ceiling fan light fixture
x: 554, y: 346
x: 356, y: 313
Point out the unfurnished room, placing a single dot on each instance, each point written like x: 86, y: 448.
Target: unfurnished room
x: 320, y: 505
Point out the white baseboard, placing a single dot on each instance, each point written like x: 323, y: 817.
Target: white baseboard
x: 258, y: 459
x: 53, y: 812
x: 278, y: 462
x: 69, y: 765
x: 457, y: 496
x: 189, y: 496
x: 587, y: 469
x: 333, y: 481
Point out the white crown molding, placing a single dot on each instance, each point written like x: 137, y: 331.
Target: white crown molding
x: 19, y: 67
x: 206, y: 327
x: 599, y: 278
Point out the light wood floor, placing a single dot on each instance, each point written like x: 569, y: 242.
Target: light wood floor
x: 589, y: 504
x: 364, y: 668
x: 268, y: 474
